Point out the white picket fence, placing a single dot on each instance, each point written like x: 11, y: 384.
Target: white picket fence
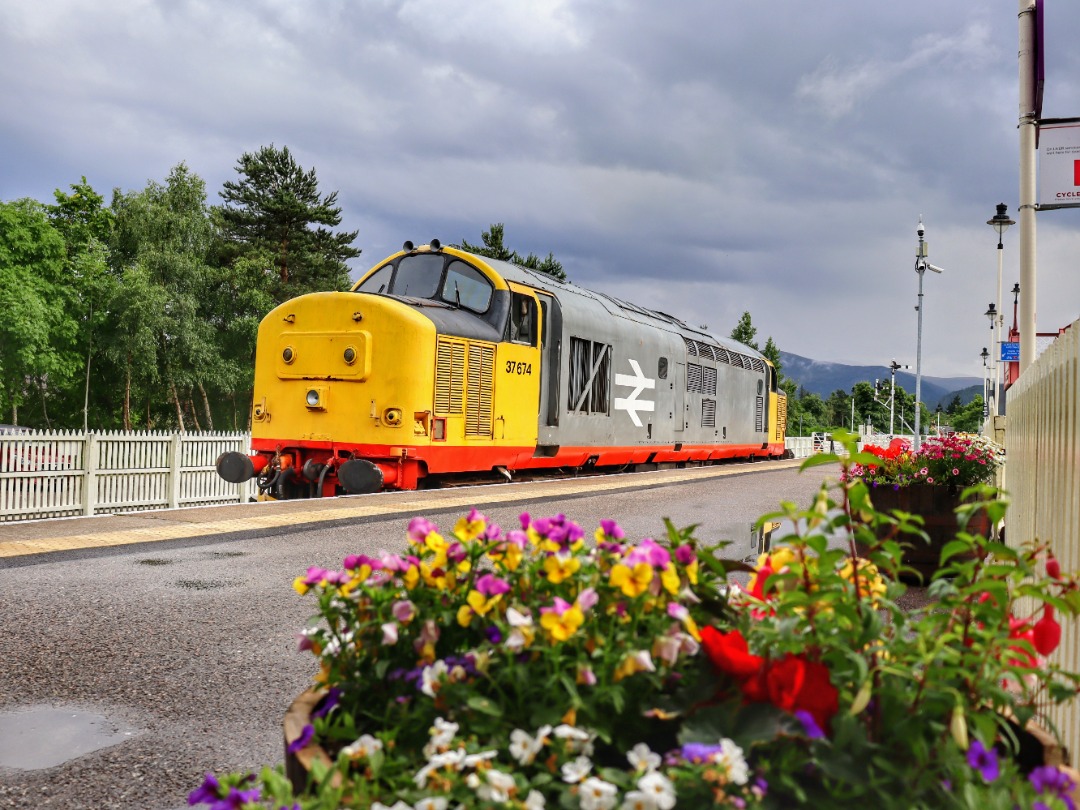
x: 1042, y: 476
x: 49, y: 474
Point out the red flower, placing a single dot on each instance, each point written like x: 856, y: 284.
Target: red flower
x: 1020, y: 630
x: 795, y: 684
x: 730, y: 653
x: 1046, y: 635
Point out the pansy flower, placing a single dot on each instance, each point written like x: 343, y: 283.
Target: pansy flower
x: 561, y: 620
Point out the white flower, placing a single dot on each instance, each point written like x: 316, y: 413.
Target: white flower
x: 667, y: 648
x: 574, y: 772
x: 430, y: 677
x: 596, y: 794
x: 432, y: 803
x: 472, y: 760
x: 396, y: 806
x: 732, y: 757
x: 576, y: 739
x: 498, y: 787
x: 639, y: 800
x: 389, y: 633
x: 535, y: 800
x: 659, y: 788
x: 524, y: 747
x: 442, y: 734
x: 518, y: 619
x: 363, y: 747
x: 643, y: 758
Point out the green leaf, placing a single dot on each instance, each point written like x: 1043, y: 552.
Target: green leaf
x: 484, y: 705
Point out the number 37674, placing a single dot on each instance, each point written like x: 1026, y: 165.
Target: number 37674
x: 518, y: 368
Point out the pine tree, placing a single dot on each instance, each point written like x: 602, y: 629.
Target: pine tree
x: 745, y: 331
x: 494, y: 248
x: 275, y: 206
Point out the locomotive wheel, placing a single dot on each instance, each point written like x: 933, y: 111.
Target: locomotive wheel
x: 359, y: 476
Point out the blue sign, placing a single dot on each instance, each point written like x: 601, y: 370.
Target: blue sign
x: 1010, y: 352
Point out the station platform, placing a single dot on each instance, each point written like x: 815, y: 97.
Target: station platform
x: 19, y: 539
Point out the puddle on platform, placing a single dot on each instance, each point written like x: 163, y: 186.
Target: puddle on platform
x: 43, y: 737
x: 156, y: 561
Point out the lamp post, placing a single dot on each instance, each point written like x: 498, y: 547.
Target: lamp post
x: 893, y: 366
x: 852, y: 410
x: 991, y: 393
x: 986, y: 410
x: 1000, y: 222
x: 921, y: 266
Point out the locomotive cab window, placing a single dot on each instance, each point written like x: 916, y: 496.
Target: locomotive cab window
x: 379, y: 281
x: 466, y: 287
x: 521, y: 325
x: 418, y: 276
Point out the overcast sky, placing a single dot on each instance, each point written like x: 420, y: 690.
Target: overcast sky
x: 702, y: 157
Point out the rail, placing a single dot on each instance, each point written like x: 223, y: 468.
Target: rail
x: 50, y: 474
x: 1042, y: 477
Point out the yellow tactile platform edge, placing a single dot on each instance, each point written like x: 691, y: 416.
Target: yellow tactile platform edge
x: 425, y: 500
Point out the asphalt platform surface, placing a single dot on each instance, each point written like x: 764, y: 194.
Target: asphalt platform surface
x: 130, y: 667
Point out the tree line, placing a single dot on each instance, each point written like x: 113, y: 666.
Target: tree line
x: 866, y: 404
x: 142, y: 313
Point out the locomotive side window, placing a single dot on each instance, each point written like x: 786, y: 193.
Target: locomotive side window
x: 522, y: 323
x: 466, y: 287
x: 590, y: 376
x: 418, y: 276
x: 379, y: 281
x: 661, y: 368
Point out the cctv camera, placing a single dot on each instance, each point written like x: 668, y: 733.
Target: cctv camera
x: 934, y: 268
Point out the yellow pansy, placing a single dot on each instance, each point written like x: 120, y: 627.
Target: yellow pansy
x: 560, y: 627
x: 669, y: 578
x: 560, y: 566
x: 633, y: 582
x: 481, y: 604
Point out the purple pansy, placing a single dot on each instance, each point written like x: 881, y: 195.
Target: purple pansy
x: 206, y: 792
x: 301, y: 742
x: 700, y: 752
x: 333, y: 697
x: 984, y: 760
x: 1048, y: 779
x: 810, y: 726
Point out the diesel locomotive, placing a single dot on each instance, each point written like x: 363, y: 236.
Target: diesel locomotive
x: 440, y: 363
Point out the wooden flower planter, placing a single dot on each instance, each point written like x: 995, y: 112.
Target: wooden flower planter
x: 297, y: 765
x: 936, y: 505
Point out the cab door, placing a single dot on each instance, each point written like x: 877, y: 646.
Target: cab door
x: 518, y: 372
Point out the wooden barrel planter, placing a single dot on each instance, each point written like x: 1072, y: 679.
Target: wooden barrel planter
x: 298, y: 763
x: 936, y: 505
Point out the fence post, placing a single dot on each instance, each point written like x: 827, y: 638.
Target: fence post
x: 90, y: 443
x: 174, y: 471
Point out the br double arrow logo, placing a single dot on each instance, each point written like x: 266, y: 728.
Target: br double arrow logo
x: 639, y: 382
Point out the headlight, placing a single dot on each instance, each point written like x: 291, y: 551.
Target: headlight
x: 313, y: 398
x: 287, y: 354
x: 350, y: 355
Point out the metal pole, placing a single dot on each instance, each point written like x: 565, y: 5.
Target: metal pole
x: 1028, y: 129
x: 920, y: 268
x: 996, y: 358
x: 892, y: 397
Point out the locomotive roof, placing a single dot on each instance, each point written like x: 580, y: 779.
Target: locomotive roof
x: 535, y: 278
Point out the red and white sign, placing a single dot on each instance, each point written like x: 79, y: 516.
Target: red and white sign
x: 1059, y: 165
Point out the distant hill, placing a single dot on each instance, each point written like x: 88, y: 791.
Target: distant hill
x: 823, y: 378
